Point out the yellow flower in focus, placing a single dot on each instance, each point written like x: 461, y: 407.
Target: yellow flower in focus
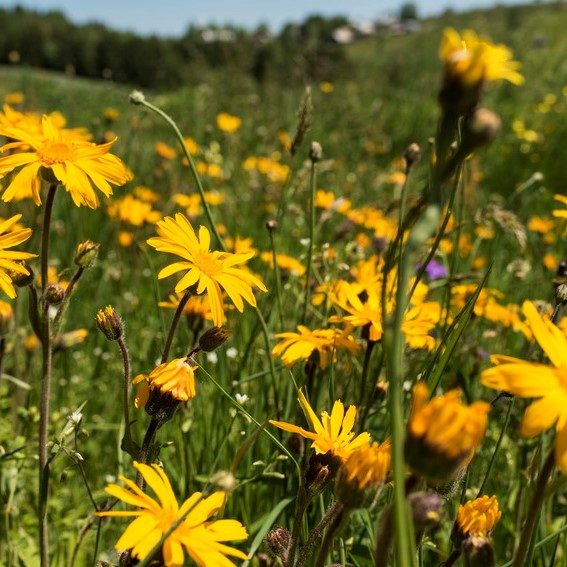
x: 473, y: 60
x: 442, y: 433
x: 9, y: 237
x: 533, y: 380
x: 210, y: 271
x: 478, y: 517
x: 332, y: 434
x: 176, y: 378
x: 302, y: 345
x: 228, y: 123
x: 196, y: 533
x: 76, y: 164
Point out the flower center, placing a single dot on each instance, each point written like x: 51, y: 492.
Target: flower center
x: 209, y: 264
x: 51, y: 153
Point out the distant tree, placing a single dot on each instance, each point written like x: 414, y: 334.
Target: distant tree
x: 408, y: 11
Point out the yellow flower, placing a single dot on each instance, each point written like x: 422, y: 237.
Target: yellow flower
x: 286, y: 263
x: 132, y: 211
x: 164, y: 151
x: 302, y: 345
x: 478, y: 516
x: 363, y: 474
x: 176, y: 378
x: 6, y: 318
x: 196, y: 533
x: 474, y: 60
x: 533, y: 380
x: 211, y: 271
x: 9, y: 237
x: 442, y: 433
x: 332, y: 434
x: 74, y: 163
x: 560, y: 213
x: 197, y: 306
x: 228, y: 123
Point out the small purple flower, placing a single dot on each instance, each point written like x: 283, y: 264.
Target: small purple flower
x: 434, y: 270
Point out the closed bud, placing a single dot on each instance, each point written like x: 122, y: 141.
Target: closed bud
x: 561, y: 293
x: 427, y: 509
x: 315, y: 152
x: 137, y: 97
x: 110, y: 323
x: 213, y: 338
x: 272, y: 225
x: 223, y: 480
x: 480, y: 128
x: 478, y: 551
x: 54, y: 294
x: 412, y: 154
x: 86, y: 253
x: 278, y: 541
x: 320, y: 471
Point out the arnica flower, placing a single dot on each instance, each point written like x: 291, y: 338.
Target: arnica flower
x: 75, y: 164
x: 533, y: 380
x: 196, y: 533
x: 363, y: 474
x: 210, y: 271
x: 165, y: 387
x: 305, y: 344
x: 9, y: 237
x: 470, y: 62
x: 332, y: 434
x: 560, y: 213
x: 228, y: 123
x: 442, y: 433
x: 472, y: 530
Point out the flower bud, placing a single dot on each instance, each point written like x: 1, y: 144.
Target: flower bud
x: 223, y: 480
x: 320, y: 471
x: 137, y: 97
x: 54, y: 294
x: 412, y: 154
x: 272, y: 225
x: 213, y: 338
x: 110, y: 324
x: 480, y: 128
x: 478, y: 551
x: 86, y: 253
x: 278, y: 540
x: 315, y: 152
x: 427, y: 509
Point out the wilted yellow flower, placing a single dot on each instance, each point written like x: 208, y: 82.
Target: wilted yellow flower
x: 176, y: 378
x: 196, y: 533
x: 9, y: 237
x: 210, y: 271
x: 332, y: 434
x: 75, y: 164
x: 442, y: 433
x: 302, y: 345
x: 227, y: 122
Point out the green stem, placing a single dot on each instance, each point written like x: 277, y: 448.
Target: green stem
x: 526, y: 537
x: 279, y: 301
x: 176, y: 316
x: 365, y: 370
x: 194, y: 171
x: 313, y: 186
x: 145, y: 451
x: 335, y: 516
x: 47, y: 364
x: 45, y: 235
x: 2, y: 353
x: 63, y: 305
x: 303, y: 499
x: 127, y: 441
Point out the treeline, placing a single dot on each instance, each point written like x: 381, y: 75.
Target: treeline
x: 50, y: 41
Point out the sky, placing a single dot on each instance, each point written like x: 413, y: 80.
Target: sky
x: 171, y: 18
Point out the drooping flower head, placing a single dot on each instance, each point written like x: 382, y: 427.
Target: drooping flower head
x: 442, y: 433
x: 548, y: 383
x: 76, y: 164
x: 196, y: 533
x: 324, y: 342
x: 11, y: 236
x: 332, y: 434
x: 210, y: 271
x: 165, y: 387
x: 363, y: 474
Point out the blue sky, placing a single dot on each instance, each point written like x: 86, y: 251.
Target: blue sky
x: 172, y: 17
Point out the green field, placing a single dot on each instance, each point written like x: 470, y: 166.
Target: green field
x: 352, y: 218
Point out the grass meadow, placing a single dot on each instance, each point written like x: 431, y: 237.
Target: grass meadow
x: 416, y: 242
